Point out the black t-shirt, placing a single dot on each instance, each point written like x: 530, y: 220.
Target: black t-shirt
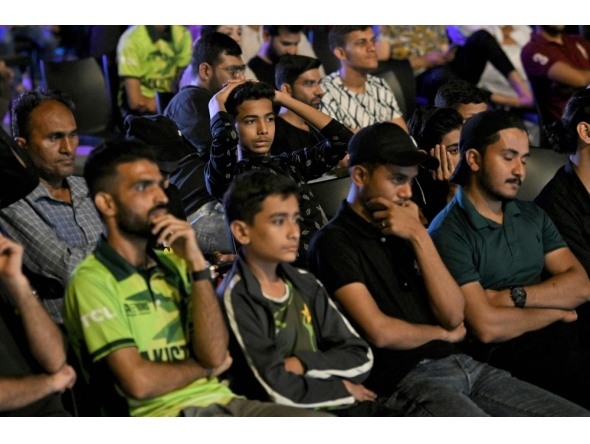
x: 265, y: 72
x: 349, y: 249
x: 16, y: 361
x: 189, y: 178
x: 289, y: 138
x: 189, y: 109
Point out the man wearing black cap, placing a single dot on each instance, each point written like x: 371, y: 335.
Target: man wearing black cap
x: 379, y: 263
x: 33, y: 368
x: 521, y: 282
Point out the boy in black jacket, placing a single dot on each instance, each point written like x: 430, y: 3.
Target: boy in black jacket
x: 291, y: 345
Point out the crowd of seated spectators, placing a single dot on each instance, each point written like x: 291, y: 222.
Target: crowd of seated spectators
x: 192, y: 249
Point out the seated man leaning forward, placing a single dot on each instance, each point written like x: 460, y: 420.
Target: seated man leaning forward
x: 33, y: 368
x: 143, y: 321
x: 57, y: 222
x: 290, y: 343
x: 379, y: 263
x: 520, y: 281
x: 243, y: 121
x: 351, y: 95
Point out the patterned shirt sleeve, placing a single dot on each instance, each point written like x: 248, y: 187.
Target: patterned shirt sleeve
x: 222, y: 165
x: 317, y: 160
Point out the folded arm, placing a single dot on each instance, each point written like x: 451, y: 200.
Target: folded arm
x: 563, y: 72
x: 307, y: 379
x: 491, y: 323
x: 385, y: 331
x: 20, y: 392
x: 567, y: 288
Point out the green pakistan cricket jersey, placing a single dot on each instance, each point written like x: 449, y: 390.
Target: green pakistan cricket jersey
x: 111, y: 305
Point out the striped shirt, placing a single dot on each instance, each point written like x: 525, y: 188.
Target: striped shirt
x: 376, y: 104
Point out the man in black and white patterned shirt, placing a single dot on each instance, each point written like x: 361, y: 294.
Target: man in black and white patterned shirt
x: 351, y: 95
x: 57, y: 222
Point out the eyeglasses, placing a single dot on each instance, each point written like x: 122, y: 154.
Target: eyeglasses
x: 233, y: 71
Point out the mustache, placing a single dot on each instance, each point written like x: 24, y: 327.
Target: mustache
x: 158, y: 207
x: 515, y: 180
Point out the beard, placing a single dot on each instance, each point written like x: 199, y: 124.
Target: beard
x: 273, y: 55
x: 552, y: 30
x: 214, y: 85
x: 133, y: 224
x: 486, y: 183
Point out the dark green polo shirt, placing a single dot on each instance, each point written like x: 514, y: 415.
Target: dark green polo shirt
x: 475, y: 248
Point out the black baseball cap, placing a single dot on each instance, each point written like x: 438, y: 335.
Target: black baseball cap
x: 475, y: 132
x: 387, y: 143
x: 18, y: 175
x: 162, y: 134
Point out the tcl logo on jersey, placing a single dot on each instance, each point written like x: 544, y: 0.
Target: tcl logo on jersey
x: 98, y: 315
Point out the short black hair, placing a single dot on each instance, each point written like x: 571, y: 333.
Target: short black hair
x: 563, y: 135
x: 459, y: 92
x: 290, y: 67
x: 101, y: 165
x: 337, y: 35
x: 428, y: 125
x: 27, y: 102
x: 274, y: 30
x: 248, y: 91
x: 208, y: 29
x: 244, y: 197
x: 209, y: 48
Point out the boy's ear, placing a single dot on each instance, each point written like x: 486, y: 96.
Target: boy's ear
x: 240, y: 232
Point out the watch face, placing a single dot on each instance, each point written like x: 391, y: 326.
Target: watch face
x: 518, y: 295
x: 519, y: 292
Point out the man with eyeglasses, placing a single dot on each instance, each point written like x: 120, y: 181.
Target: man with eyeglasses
x: 216, y: 59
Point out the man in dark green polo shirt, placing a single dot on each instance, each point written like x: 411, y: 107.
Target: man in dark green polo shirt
x: 520, y: 281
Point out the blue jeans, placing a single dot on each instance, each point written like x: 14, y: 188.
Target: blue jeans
x: 210, y: 226
x: 460, y: 386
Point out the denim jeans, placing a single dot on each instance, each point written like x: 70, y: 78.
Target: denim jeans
x: 209, y: 224
x: 460, y: 386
